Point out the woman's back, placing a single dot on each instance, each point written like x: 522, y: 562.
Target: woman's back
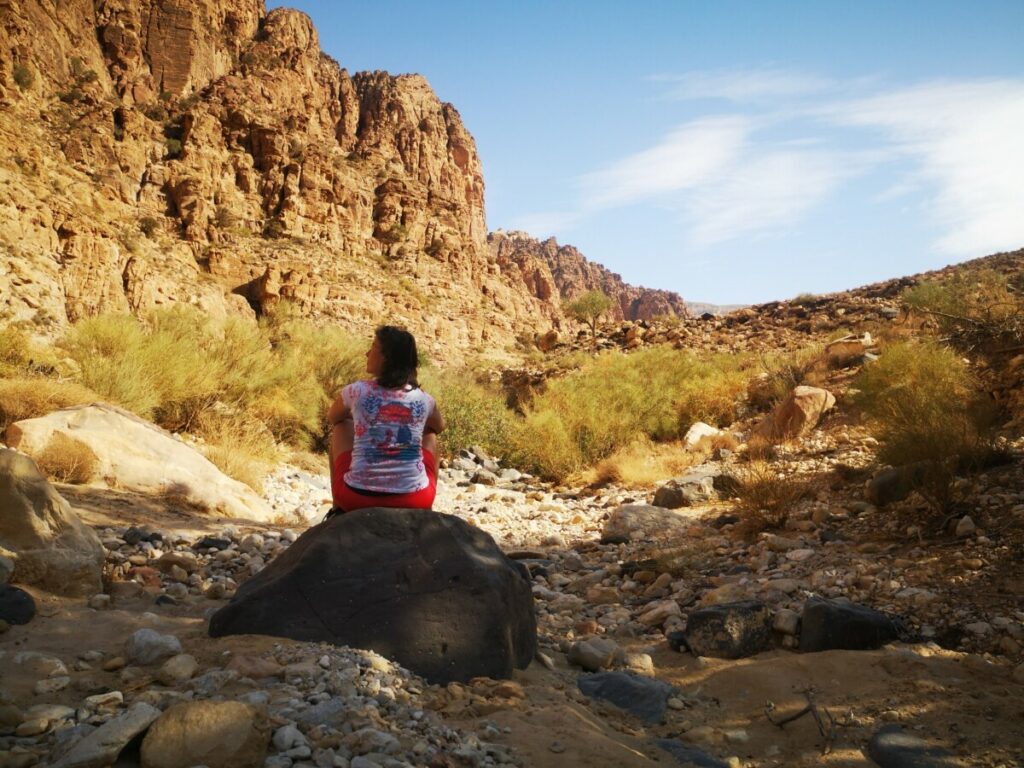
x: 387, y: 450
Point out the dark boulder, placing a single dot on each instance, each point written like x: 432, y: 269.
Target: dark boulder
x: 16, y: 605
x: 690, y: 756
x: 730, y: 630
x: 833, y: 624
x: 642, y: 696
x: 891, y: 747
x: 422, y: 588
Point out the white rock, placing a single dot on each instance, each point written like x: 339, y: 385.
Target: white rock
x: 147, y: 646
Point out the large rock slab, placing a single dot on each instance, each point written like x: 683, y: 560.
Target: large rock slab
x: 832, y: 624
x: 892, y: 747
x: 730, y: 630
x: 697, y: 487
x: 797, y: 415
x: 641, y: 696
x: 102, y: 746
x: 136, y: 455
x: 644, y: 522
x: 41, y: 534
x: 217, y: 734
x: 422, y: 588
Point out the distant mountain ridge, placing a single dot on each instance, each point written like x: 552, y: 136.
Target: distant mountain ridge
x: 551, y: 272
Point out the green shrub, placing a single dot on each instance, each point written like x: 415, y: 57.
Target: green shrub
x: 608, y: 404
x: 925, y: 409
x: 781, y: 372
x: 26, y: 397
x: 475, y: 414
x: 173, y: 147
x: 24, y: 77
x: 15, y: 350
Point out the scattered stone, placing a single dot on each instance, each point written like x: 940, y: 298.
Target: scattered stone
x: 594, y: 654
x: 102, y: 746
x: 216, y: 734
x: 797, y: 415
x: 698, y: 431
x: 422, y: 588
x: 730, y: 630
x: 831, y: 624
x: 147, y: 646
x: 16, y: 605
x: 100, y: 602
x: 641, y: 696
x: 892, y: 747
x: 786, y: 621
x: 965, y: 527
x: 177, y: 669
x: 643, y: 522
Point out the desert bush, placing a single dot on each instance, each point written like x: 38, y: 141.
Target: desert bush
x: 27, y: 397
x: 766, y: 496
x: 240, y: 447
x: 781, y: 372
x: 977, y: 311
x: 179, y: 366
x: 173, y: 147
x: 925, y: 409
x: 475, y: 414
x: 67, y: 460
x: 149, y: 226
x: 617, y: 399
x: 15, y: 350
x: 24, y: 77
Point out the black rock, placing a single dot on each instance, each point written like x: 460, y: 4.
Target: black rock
x: 893, y: 484
x: 689, y: 755
x: 730, y: 630
x: 642, y: 696
x: 831, y: 624
x: 726, y: 519
x: 133, y: 535
x: 677, y: 641
x: 422, y: 588
x: 165, y: 600
x: 891, y: 747
x: 212, y: 542
x: 16, y: 605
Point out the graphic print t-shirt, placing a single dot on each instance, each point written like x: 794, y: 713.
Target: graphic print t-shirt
x: 387, y: 454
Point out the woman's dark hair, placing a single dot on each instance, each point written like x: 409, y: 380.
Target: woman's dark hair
x: 400, y: 358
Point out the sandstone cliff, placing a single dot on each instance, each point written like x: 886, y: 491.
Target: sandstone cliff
x: 554, y: 272
x: 206, y: 151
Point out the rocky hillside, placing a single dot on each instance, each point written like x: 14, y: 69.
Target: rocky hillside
x: 209, y: 152
x: 552, y: 272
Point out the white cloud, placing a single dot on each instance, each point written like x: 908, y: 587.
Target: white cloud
x: 739, y: 175
x: 742, y: 85
x: 966, y: 139
x: 767, y: 193
x: 692, y: 154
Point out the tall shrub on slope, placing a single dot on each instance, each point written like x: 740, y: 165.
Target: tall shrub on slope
x: 926, y: 410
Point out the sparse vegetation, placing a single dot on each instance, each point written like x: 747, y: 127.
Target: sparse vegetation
x: 173, y: 147
x: 781, y: 372
x: 607, y: 405
x: 803, y: 299
x: 24, y: 77
x: 67, y: 460
x: 149, y: 225
x: 766, y: 496
x: 644, y: 463
x: 26, y: 397
x: 475, y: 414
x: 925, y: 409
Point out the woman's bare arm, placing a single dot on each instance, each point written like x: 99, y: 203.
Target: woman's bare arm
x: 435, y: 421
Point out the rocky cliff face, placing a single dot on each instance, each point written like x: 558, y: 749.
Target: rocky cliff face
x: 206, y: 151
x: 555, y: 273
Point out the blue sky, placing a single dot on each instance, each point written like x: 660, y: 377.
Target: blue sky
x: 731, y: 151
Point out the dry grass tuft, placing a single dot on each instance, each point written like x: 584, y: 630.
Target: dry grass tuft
x: 29, y: 397
x: 642, y: 464
x: 67, y: 460
x: 766, y: 496
x: 240, y: 447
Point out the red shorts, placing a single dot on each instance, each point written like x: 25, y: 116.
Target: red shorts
x: 349, y: 499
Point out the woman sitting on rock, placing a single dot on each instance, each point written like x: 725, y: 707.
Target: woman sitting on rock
x: 383, y: 447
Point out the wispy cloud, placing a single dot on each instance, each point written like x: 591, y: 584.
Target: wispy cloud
x: 794, y: 140
x: 769, y: 192
x: 693, y: 154
x: 744, y: 85
x: 966, y: 139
